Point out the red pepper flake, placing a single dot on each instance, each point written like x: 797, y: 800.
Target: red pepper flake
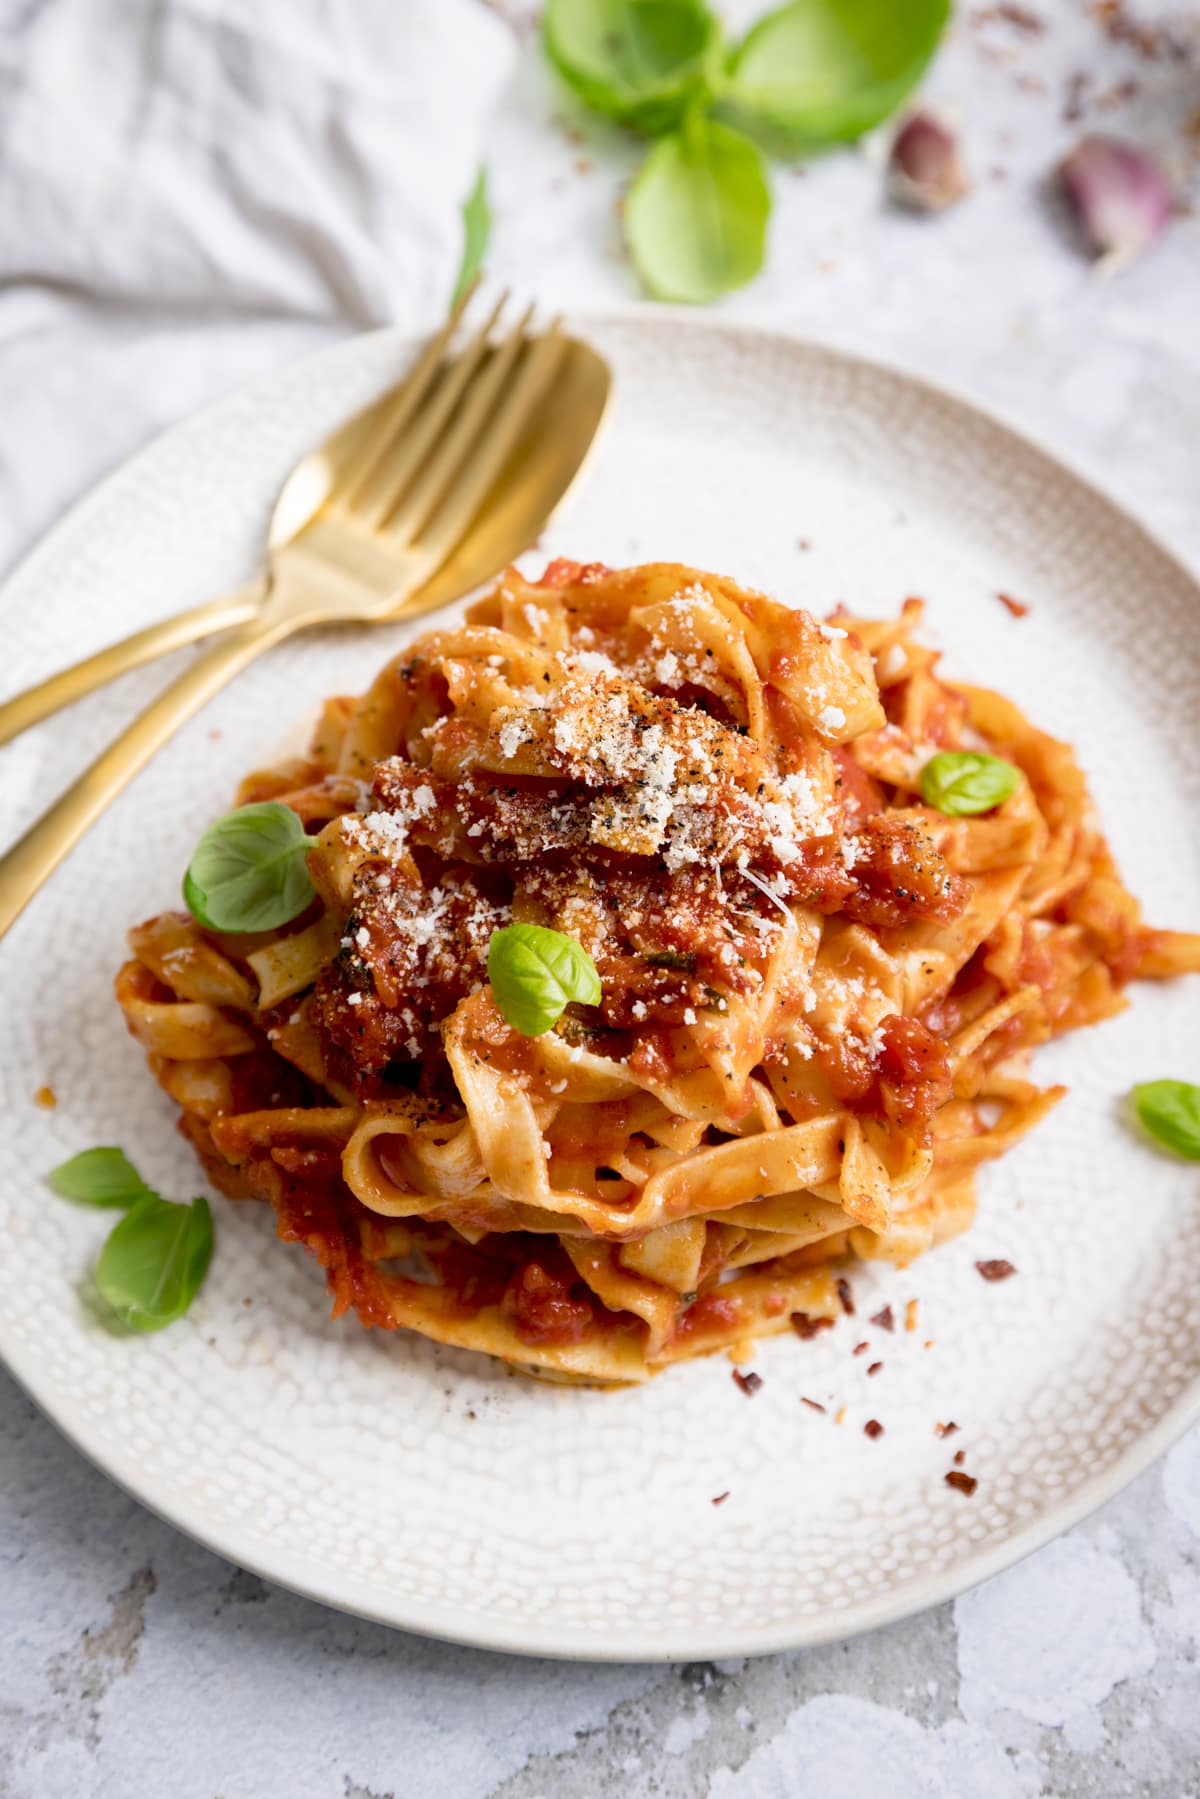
x: 806, y: 1326
x: 997, y: 1270
x: 886, y: 1320
x: 945, y: 1430
x: 722, y: 1497
x: 872, y: 1428
x: 861, y: 1348
x: 845, y: 1296
x: 962, y: 1483
x: 874, y: 1367
x: 749, y: 1383
x: 1017, y: 607
x: 960, y: 1457
x: 813, y: 1405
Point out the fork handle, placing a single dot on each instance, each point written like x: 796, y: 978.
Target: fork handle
x: 36, y: 855
x: 71, y: 684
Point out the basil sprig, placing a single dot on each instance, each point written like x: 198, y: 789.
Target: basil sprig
x: 696, y: 216
x: 99, y: 1177
x: 1170, y: 1112
x: 639, y: 61
x: 535, y: 974
x: 477, y: 229
x: 808, y: 75
x: 961, y: 783
x: 819, y: 72
x: 154, y: 1260
x: 249, y: 871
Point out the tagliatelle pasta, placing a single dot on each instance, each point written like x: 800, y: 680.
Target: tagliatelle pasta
x: 819, y: 995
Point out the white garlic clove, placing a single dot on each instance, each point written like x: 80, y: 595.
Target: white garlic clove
x: 1119, y: 195
x: 925, y: 169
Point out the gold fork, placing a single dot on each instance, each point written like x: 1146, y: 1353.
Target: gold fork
x: 312, y: 484
x: 416, y: 501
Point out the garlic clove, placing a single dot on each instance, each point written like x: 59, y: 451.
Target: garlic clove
x: 1119, y: 195
x: 925, y: 169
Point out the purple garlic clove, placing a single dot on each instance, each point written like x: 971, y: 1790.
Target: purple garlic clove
x: 1120, y: 196
x: 925, y: 170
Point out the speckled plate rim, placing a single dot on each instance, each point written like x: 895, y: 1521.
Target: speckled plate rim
x: 310, y: 1578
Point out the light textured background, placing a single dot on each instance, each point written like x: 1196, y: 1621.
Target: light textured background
x: 134, y: 1663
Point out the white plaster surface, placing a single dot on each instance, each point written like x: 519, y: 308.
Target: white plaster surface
x: 133, y: 1663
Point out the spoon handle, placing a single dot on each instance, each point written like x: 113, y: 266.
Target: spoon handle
x: 71, y: 684
x: 35, y: 856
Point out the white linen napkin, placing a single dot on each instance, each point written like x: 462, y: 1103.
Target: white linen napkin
x: 194, y: 190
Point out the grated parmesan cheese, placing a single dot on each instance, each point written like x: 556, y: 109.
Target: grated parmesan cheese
x: 511, y: 736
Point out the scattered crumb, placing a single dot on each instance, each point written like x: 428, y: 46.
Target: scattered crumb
x: 872, y: 1428
x: 911, y: 1313
x: 722, y: 1497
x: 959, y: 1458
x: 805, y: 1325
x: 46, y: 1098
x: 945, y: 1430
x: 814, y: 1405
x: 840, y: 1415
x: 996, y: 1270
x: 962, y: 1483
x: 747, y: 1383
x: 861, y: 1348
x: 1023, y: 18
x: 845, y: 1295
x: 886, y: 1319
x: 874, y: 1367
x: 1018, y: 608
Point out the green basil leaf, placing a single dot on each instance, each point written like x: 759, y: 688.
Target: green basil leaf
x: 1170, y: 1111
x: 154, y: 1261
x: 477, y: 229
x: 696, y: 216
x: 536, y: 973
x: 250, y: 870
x: 99, y: 1177
x: 817, y: 72
x: 639, y: 61
x: 963, y: 782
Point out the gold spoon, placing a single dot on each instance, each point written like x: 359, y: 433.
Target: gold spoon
x: 410, y: 505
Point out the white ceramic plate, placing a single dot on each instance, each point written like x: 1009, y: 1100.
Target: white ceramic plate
x: 430, y: 1489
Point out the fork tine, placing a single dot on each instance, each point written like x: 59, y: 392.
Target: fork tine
x: 464, y: 436
x: 378, y: 428
x: 471, y: 472
x: 392, y: 465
